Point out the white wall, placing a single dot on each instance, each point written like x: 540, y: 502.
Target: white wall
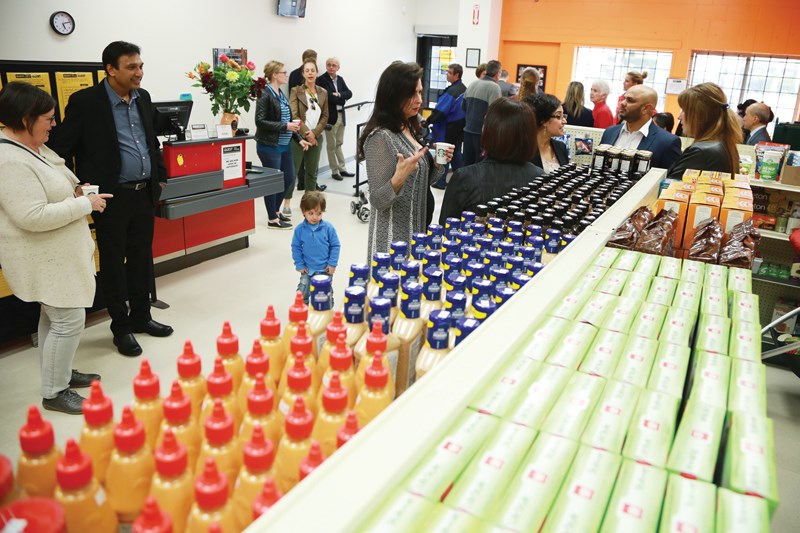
x: 485, y: 35
x: 174, y: 35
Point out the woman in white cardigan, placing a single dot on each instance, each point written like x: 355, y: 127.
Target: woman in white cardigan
x: 46, y: 250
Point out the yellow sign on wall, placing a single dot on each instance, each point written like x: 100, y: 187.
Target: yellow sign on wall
x: 446, y: 56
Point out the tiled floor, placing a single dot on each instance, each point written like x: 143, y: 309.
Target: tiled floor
x: 238, y: 287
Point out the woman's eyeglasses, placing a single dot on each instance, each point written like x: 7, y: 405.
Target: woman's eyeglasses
x: 559, y: 116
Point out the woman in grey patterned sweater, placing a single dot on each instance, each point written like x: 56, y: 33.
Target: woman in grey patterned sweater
x: 399, y: 167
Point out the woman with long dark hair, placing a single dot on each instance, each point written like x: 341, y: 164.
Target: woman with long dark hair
x: 399, y: 167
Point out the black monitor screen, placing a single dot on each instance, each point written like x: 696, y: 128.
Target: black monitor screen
x: 172, y: 118
x: 292, y: 8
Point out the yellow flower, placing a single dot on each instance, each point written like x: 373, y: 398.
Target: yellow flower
x: 231, y: 76
x: 191, y: 75
x: 233, y: 64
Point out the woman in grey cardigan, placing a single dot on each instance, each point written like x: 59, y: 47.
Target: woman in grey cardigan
x: 399, y: 167
x: 46, y: 249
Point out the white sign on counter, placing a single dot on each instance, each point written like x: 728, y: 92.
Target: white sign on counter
x: 232, y: 161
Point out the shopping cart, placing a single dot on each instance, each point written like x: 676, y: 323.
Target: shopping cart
x: 784, y: 344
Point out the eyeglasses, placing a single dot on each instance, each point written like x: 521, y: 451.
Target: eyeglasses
x: 51, y: 120
x: 283, y: 72
x: 559, y: 116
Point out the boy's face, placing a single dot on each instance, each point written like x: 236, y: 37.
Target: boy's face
x: 313, y: 216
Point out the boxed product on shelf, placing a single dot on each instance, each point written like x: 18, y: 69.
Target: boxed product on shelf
x: 626, y: 260
x: 693, y: 271
x: 677, y: 201
x: 662, y: 291
x: 689, y: 505
x: 744, y: 306
x: 573, y: 346
x: 769, y: 160
x: 637, y: 360
x: 739, y: 513
x: 609, y: 421
x: 765, y: 222
x: 649, y: 320
x: 745, y: 341
x: 636, y: 502
x: 638, y: 284
x: 546, y: 335
x: 613, y: 282
x: 670, y: 267
x: 697, y: 442
x: 734, y: 210
x: 714, y: 301
x: 710, y: 379
x: 687, y: 296
x: 604, y: 353
x: 740, y: 279
x: 444, y: 519
x: 713, y: 333
x: 570, y: 305
x: 652, y: 428
x: 596, y: 308
x: 647, y: 265
x: 402, y: 511
x: 525, y: 503
x: 606, y: 257
x: 502, y: 392
x: 783, y: 306
x: 541, y: 395
x: 701, y: 206
x: 571, y: 411
x: 678, y: 326
x: 716, y: 276
x: 669, y: 369
x: 747, y: 391
x: 624, y: 311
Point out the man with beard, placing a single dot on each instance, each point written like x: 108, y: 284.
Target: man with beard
x: 638, y: 131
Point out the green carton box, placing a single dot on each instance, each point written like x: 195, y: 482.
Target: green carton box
x: 502, y: 392
x: 544, y: 338
x: 678, y: 326
x: 542, y: 393
x: 636, y: 501
x: 693, y: 271
x: 648, y: 265
x: 669, y: 370
x: 649, y: 320
x: 740, y: 280
x: 716, y: 276
x: 613, y: 282
x: 710, y: 378
x: 662, y: 291
x: 570, y: 305
x: 696, y: 447
x: 745, y: 342
x: 571, y: 411
x: 611, y: 417
x: 687, y: 296
x: 402, y: 512
x: 596, y: 308
x: 636, y: 361
x: 491, y: 470
x: 714, y: 301
x: 652, y: 428
x: 604, y: 353
x: 713, y: 333
x: 638, y: 286
x: 622, y: 314
x: 747, y: 391
x: 606, y: 257
x: 529, y: 497
x: 688, y: 506
x: 573, y: 346
x: 670, y: 267
x: 590, y: 278
x: 582, y: 500
x: 627, y: 260
x: 744, y: 307
x: 445, y: 519
x: 438, y: 471
x: 738, y: 513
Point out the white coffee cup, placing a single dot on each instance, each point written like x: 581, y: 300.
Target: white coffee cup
x: 441, y: 152
x: 90, y: 189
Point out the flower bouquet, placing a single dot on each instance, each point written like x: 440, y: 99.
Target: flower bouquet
x: 230, y: 86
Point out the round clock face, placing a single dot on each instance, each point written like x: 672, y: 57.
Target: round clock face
x: 62, y: 22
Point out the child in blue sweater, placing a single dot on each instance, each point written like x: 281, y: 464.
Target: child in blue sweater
x: 315, y: 245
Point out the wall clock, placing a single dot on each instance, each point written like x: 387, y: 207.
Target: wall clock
x: 62, y: 23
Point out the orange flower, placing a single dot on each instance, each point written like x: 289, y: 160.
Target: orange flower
x: 191, y: 75
x: 234, y: 65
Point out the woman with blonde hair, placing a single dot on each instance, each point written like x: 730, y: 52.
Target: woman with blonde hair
x: 631, y: 78
x: 707, y: 117
x: 577, y: 114
x: 528, y: 83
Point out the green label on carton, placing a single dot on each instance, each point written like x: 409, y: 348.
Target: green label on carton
x: 571, y: 411
x: 622, y: 315
x: 570, y: 305
x: 747, y: 391
x: 710, y: 378
x: 627, y: 260
x: 604, y: 353
x: 688, y: 506
x: 636, y: 501
x: 716, y: 276
x: 693, y: 271
x: 669, y: 370
x: 744, y: 307
x: 687, y: 296
x: 670, y: 267
x: 637, y: 286
x: 544, y: 338
x: 611, y: 417
x: 649, y: 320
x: 648, y: 265
x: 738, y: 513
x: 502, y: 392
x: 662, y: 291
x: 636, y: 361
x: 542, y: 393
x: 713, y: 333
x: 652, y: 428
x: 745, y: 341
x: 749, y: 466
x: 678, y: 326
x: 607, y: 257
x: 574, y: 345
x: 613, y: 282
x: 596, y: 308
x: 740, y: 280
x: 590, y: 278
x: 714, y: 301
x: 696, y: 447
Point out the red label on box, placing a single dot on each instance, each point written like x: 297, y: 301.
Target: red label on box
x: 632, y: 510
x: 538, y: 477
x: 494, y: 462
x: 452, y: 447
x: 583, y: 492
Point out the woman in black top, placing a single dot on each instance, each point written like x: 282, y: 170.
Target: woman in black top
x: 577, y: 114
x: 509, y: 138
x: 550, y: 120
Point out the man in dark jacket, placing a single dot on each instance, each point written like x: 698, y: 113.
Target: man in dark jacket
x: 478, y: 97
x: 448, y: 119
x: 338, y: 94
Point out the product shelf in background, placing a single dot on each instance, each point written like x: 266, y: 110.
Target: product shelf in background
x: 775, y: 185
x: 769, y: 234
x: 775, y: 281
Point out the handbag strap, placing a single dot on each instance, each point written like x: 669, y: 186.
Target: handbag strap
x: 38, y: 158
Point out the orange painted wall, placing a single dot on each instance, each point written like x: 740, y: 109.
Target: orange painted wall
x: 532, y: 30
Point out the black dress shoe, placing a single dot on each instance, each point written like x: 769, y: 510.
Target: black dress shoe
x: 321, y: 187
x: 337, y: 177
x: 80, y: 380
x: 347, y: 174
x: 127, y: 345
x: 67, y: 401
x: 154, y: 329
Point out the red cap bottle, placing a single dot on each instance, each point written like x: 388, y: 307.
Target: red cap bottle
x: 260, y: 400
x: 74, y: 468
x: 298, y: 377
x: 177, y: 406
x: 299, y: 311
x: 171, y: 460
x: 302, y: 342
x: 334, y: 397
x: 268, y: 497
x: 256, y: 362
x: 347, y: 431
x: 211, y: 487
x: 146, y: 385
x: 341, y: 355
x: 227, y: 343
x: 270, y: 325
x: 336, y: 328
x: 6, y: 476
x: 189, y: 363
x: 97, y: 408
x: 129, y: 433
x: 311, y: 461
x: 377, y: 375
x: 376, y: 340
x: 259, y: 453
x: 219, y: 426
x: 36, y: 436
x: 299, y: 421
x: 152, y: 519
x: 220, y: 381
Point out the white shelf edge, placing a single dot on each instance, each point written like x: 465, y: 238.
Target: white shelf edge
x: 774, y: 185
x: 769, y: 234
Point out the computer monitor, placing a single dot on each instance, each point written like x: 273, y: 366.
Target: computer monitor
x: 172, y: 118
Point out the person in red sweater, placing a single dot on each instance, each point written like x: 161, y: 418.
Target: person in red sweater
x: 603, y: 118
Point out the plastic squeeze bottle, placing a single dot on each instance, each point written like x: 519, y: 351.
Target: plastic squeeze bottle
x: 83, y: 499
x: 36, y: 467
x: 190, y: 377
x: 389, y: 287
x: 211, y: 501
x: 359, y: 275
x: 409, y: 329
x: 298, y: 384
x: 381, y: 263
x: 297, y: 313
x: 272, y: 345
x: 341, y: 362
x: 154, y: 520
x: 380, y: 339
x: 321, y: 312
x: 257, y: 362
x: 228, y: 350
x: 268, y: 497
x: 97, y: 434
x: 147, y: 405
x: 347, y: 431
x: 294, y: 446
x: 375, y: 396
x: 261, y: 411
x: 302, y: 347
x: 355, y: 305
x: 178, y: 418
x: 431, y: 291
x: 9, y: 491
x: 220, y: 386
x: 221, y: 443
x: 311, y: 461
x: 259, y: 454
x: 172, y: 486
x: 437, y: 344
x: 335, y: 328
x: 131, y: 468
x: 332, y: 415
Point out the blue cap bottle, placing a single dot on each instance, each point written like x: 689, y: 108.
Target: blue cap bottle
x: 431, y: 258
x: 567, y: 239
x: 432, y: 283
x: 516, y: 238
x: 455, y: 281
x: 435, y: 236
x: 535, y: 269
x: 321, y: 292
x: 497, y: 234
x: 381, y: 263
x: 389, y: 286
x: 456, y: 303
x: 470, y: 253
x: 495, y: 222
x: 516, y: 264
x: 477, y: 228
x: 514, y: 225
x: 452, y: 264
x: 519, y: 280
x: 439, y: 329
x: 399, y: 252
x: 410, y: 299
x: 528, y: 254
x: 451, y: 249
x: 465, y: 326
x: 419, y: 243
x: 502, y: 294
x: 553, y: 243
x: 506, y: 249
x: 354, y: 304
x: 483, y: 243
x: 482, y: 289
x: 451, y: 226
x: 538, y: 246
x: 493, y: 259
x: 359, y: 275
x: 533, y: 230
x: 410, y: 271
x: 464, y: 238
x: 380, y: 309
x: 499, y: 275
x: 467, y: 220
x: 483, y: 309
x: 474, y: 270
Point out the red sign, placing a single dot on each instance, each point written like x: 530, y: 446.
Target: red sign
x: 476, y: 14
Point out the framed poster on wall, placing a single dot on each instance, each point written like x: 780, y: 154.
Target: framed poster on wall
x: 542, y: 74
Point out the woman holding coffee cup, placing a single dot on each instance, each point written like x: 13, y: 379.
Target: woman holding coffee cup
x: 400, y: 168
x: 309, y: 103
x: 46, y: 249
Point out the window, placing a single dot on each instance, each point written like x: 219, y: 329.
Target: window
x: 611, y: 65
x: 434, y: 54
x: 769, y: 79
